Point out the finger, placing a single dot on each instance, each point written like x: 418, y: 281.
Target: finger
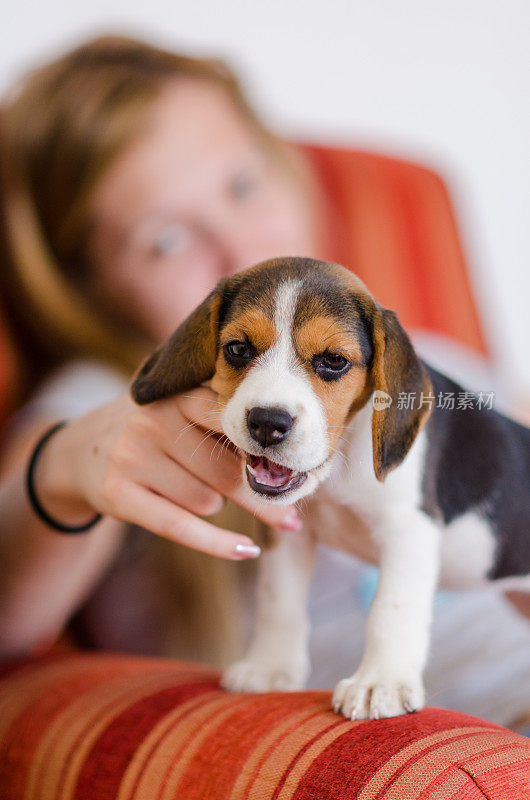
x: 210, y: 460
x: 143, y: 507
x: 166, y: 477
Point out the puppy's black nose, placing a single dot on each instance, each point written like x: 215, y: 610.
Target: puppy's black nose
x: 269, y: 426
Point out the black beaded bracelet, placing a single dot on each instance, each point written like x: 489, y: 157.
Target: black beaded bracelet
x: 35, y: 504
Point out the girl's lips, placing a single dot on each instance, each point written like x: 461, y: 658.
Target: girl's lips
x: 268, y: 477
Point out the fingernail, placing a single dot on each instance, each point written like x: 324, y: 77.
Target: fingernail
x: 291, y: 522
x: 248, y: 550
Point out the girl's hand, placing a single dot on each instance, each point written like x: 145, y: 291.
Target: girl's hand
x: 156, y: 466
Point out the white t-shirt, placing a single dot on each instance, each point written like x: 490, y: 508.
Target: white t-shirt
x: 480, y: 652
x: 73, y: 390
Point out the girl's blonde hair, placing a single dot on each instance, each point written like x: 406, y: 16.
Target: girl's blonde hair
x: 59, y: 131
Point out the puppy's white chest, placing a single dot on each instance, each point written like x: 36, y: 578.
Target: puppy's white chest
x: 343, y: 510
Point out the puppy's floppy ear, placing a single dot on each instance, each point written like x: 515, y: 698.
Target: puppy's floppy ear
x: 186, y: 359
x: 395, y: 368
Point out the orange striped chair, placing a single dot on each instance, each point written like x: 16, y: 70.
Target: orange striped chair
x: 102, y: 726
x: 76, y: 726
x: 392, y: 223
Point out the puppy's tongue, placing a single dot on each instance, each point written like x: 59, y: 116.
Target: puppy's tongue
x: 268, y: 472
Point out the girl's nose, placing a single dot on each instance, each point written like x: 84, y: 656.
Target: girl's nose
x: 237, y: 244
x: 238, y: 252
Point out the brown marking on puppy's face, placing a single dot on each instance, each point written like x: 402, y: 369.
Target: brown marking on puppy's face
x: 339, y: 398
x: 252, y: 326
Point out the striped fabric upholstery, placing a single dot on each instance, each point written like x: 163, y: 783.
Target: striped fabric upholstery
x: 392, y: 223
x: 95, y: 726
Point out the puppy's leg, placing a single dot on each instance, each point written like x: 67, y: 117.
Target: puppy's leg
x: 278, y: 656
x: 389, y: 679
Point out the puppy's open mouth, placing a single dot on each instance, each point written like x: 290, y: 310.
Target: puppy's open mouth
x: 267, y: 477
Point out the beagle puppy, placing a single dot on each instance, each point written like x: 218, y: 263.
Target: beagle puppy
x: 312, y: 376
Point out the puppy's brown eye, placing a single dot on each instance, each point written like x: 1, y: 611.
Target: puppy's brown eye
x: 238, y: 354
x: 330, y: 366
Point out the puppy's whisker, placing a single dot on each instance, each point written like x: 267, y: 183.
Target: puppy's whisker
x: 346, y: 459
x: 204, y: 439
x: 331, y: 325
x: 303, y: 503
x: 225, y: 442
x: 184, y: 429
x: 202, y: 399
x: 212, y: 413
x: 223, y: 445
x: 191, y: 424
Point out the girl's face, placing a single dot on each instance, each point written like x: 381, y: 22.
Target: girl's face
x: 194, y: 198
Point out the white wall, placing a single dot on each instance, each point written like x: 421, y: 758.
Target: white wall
x: 446, y: 83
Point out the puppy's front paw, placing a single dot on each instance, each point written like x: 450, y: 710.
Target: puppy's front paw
x: 365, y: 696
x: 253, y: 675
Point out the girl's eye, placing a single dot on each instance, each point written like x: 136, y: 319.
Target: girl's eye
x: 238, y: 354
x: 330, y: 366
x: 172, y: 240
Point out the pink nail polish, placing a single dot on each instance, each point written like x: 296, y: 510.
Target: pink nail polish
x: 291, y: 523
x: 247, y: 550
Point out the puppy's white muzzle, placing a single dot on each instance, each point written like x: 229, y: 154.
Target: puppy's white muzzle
x: 283, y: 468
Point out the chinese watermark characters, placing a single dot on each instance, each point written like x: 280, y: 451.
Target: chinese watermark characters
x: 448, y: 401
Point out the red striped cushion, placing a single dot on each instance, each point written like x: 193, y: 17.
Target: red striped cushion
x: 393, y: 224
x: 109, y: 727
